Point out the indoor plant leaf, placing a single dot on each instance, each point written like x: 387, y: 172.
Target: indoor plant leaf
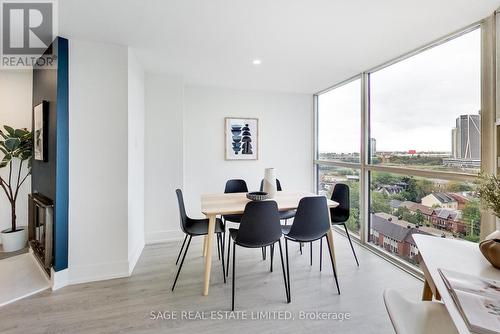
x: 17, y: 144
x: 19, y: 133
x: 12, y: 143
x: 10, y: 130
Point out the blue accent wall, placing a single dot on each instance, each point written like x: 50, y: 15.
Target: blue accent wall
x: 50, y: 178
x: 62, y: 162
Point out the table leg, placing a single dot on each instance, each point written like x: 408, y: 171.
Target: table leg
x: 208, y: 258
x: 205, y: 246
x: 427, y: 292
x: 329, y: 238
x: 430, y: 289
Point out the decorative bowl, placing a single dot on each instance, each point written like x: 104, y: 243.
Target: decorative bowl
x: 490, y: 248
x: 257, y: 196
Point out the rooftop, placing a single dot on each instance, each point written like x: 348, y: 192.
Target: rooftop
x: 417, y: 206
x: 443, y: 197
x: 394, y: 230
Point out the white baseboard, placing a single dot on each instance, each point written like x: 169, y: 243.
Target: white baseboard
x: 133, y: 256
x: 59, y: 279
x: 163, y: 236
x: 98, y: 272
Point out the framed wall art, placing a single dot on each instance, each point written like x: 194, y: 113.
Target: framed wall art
x: 241, y: 138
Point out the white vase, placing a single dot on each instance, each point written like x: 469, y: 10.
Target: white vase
x: 14, y: 241
x: 270, y: 182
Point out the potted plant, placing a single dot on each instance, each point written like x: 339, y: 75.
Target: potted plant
x: 16, y: 147
x: 489, y: 191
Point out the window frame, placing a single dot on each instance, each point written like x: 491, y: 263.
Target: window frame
x: 487, y: 89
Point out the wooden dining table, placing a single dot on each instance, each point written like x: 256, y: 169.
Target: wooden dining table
x: 213, y: 205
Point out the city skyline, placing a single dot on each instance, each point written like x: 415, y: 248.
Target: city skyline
x: 433, y: 88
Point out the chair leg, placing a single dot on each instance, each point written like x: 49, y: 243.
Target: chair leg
x: 228, y: 254
x: 288, y: 271
x: 223, y: 239
x: 180, y: 252
x: 283, y: 269
x: 333, y: 267
x: 218, y: 245
x: 234, y: 275
x: 271, y: 250
x: 300, y: 246
x: 311, y: 251
x: 264, y: 253
x: 182, y: 262
x: 320, y: 253
x: 286, y: 221
x: 350, y: 242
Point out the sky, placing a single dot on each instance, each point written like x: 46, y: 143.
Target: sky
x: 414, y: 103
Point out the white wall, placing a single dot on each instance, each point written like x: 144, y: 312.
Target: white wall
x: 185, y: 146
x: 15, y: 110
x: 98, y: 161
x: 285, y: 135
x: 182, y: 141
x: 135, y: 159
x: 163, y: 156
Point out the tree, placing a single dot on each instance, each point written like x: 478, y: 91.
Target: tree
x: 419, y: 217
x: 458, y: 187
x: 417, y: 188
x: 471, y: 215
x: 354, y: 223
x: 401, y: 212
x: 379, y: 178
x: 380, y: 203
x: 399, y: 197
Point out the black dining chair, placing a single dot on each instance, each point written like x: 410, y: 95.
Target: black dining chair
x: 284, y: 215
x: 260, y: 227
x: 340, y: 215
x: 233, y: 186
x: 311, y: 223
x: 196, y: 227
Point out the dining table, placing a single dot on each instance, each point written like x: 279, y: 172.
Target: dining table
x: 455, y: 255
x: 213, y: 205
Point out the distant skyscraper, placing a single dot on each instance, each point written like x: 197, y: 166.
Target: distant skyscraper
x: 373, y: 146
x: 466, y: 137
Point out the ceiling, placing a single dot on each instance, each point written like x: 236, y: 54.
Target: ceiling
x: 305, y: 46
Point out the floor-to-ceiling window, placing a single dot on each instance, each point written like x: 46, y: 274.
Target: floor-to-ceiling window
x: 407, y: 138
x: 339, y: 143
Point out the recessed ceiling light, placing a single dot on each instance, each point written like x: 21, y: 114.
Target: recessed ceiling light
x: 256, y: 61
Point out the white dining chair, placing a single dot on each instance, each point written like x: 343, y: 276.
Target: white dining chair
x: 422, y: 317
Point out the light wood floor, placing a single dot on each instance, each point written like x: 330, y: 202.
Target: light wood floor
x: 125, y: 305
x: 6, y: 255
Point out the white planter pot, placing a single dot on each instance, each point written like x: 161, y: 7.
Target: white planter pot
x: 14, y: 241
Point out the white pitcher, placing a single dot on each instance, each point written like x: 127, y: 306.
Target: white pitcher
x: 270, y: 182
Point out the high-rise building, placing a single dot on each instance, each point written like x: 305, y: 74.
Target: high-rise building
x: 466, y: 137
x: 373, y: 146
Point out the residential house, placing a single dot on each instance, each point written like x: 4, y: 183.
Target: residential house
x: 440, y: 199
x: 393, y: 237
x: 390, y: 189
x: 449, y: 220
